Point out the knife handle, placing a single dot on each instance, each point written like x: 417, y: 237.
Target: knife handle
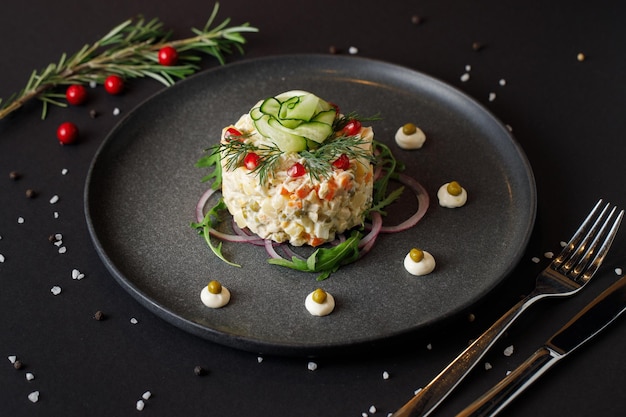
x: 427, y: 399
x: 498, y: 397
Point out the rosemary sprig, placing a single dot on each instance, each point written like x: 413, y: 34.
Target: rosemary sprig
x: 130, y: 51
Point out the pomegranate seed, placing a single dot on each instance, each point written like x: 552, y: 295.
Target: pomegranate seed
x: 343, y: 162
x: 251, y: 161
x: 296, y: 170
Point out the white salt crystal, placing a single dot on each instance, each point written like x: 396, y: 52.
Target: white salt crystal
x: 29, y: 376
x: 535, y: 259
x: 492, y: 96
x: 62, y: 249
x: 468, y: 68
x: 618, y: 271
x: 353, y: 50
x: 58, y: 243
x: 1, y: 258
x: 134, y: 320
x: 76, y: 274
x: 385, y: 375
x: 33, y: 396
x: 64, y: 171
x: 502, y: 82
x: 20, y: 220
x: 259, y: 359
x: 56, y: 290
x: 93, y: 84
x: 54, y: 199
x: 12, y: 358
x: 56, y: 214
x: 465, y: 77
x: 508, y: 351
x: 312, y: 366
x: 116, y: 111
x: 58, y: 236
x: 417, y: 391
x: 146, y: 395
x: 372, y: 409
x: 487, y: 366
x: 429, y: 346
x: 549, y: 255
x: 140, y: 405
x: 563, y: 244
x: 364, y: 415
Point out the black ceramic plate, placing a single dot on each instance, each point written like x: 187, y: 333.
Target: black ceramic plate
x: 142, y: 189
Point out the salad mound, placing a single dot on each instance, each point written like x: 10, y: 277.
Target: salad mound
x: 292, y: 173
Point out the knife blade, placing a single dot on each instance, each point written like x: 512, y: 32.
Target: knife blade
x: 590, y: 321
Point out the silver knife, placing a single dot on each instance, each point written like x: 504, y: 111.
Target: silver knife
x: 590, y: 321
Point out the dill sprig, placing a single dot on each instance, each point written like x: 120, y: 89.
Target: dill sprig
x: 234, y: 151
x: 130, y: 51
x: 319, y: 161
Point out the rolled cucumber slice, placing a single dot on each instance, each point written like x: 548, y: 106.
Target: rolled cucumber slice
x: 280, y: 135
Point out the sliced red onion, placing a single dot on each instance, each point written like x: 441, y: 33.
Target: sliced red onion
x: 269, y: 248
x: 201, y: 203
x: 422, y: 205
x: 367, y: 242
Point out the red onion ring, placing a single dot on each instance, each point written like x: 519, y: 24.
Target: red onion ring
x: 423, y: 202
x: 367, y: 242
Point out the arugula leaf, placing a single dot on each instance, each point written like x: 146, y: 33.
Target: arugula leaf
x: 211, y: 219
x: 325, y: 260
x: 212, y: 160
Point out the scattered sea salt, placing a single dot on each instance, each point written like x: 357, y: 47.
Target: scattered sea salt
x: 116, y: 111
x: 259, y: 359
x: 76, y: 274
x: 465, y: 77
x: 20, y: 220
x: 54, y: 199
x: 429, y: 346
x: 133, y: 321
x: 29, y: 376
x: 549, y: 255
x: 33, y: 396
x: 312, y: 366
x: 507, y: 372
x: 487, y: 366
x: 140, y: 405
x: 508, y: 351
x: 502, y: 82
x: 535, y: 259
x: 563, y: 244
x: 492, y: 96
x: 417, y: 391
x: 64, y: 171
x: 62, y: 249
x: 618, y: 271
x: 385, y: 375
x: 58, y: 243
x: 468, y: 68
x: 509, y: 128
x: 93, y: 84
x: 12, y: 358
x: 353, y: 50
x: 372, y: 409
x: 364, y: 415
x: 146, y: 395
x: 56, y: 214
x: 58, y: 236
x: 56, y: 290
x: 1, y: 258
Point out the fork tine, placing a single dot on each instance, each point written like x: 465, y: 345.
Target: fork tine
x: 604, y: 248
x: 578, y: 236
x: 586, y: 247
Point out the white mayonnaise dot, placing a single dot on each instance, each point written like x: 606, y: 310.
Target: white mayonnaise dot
x: 215, y: 300
x: 320, y: 309
x: 413, y: 141
x: 423, y: 267
x: 451, y: 201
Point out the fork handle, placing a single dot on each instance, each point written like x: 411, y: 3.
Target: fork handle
x: 498, y: 397
x: 427, y: 399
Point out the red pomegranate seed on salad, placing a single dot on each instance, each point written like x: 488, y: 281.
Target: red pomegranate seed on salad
x: 296, y: 170
x: 232, y: 133
x: 353, y: 127
x: 251, y: 161
x: 343, y: 162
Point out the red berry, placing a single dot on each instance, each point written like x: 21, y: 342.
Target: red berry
x: 67, y: 133
x: 353, y: 127
x: 251, y: 161
x: 343, y: 162
x: 114, y: 84
x: 76, y: 94
x: 296, y: 170
x: 232, y: 133
x: 168, y: 56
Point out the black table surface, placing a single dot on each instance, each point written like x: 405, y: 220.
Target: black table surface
x: 567, y: 114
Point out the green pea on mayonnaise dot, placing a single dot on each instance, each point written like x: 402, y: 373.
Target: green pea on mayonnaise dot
x: 215, y: 295
x: 452, y: 195
x: 410, y: 136
x: 419, y: 262
x: 319, y: 303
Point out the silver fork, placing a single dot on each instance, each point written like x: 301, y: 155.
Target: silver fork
x: 566, y: 275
